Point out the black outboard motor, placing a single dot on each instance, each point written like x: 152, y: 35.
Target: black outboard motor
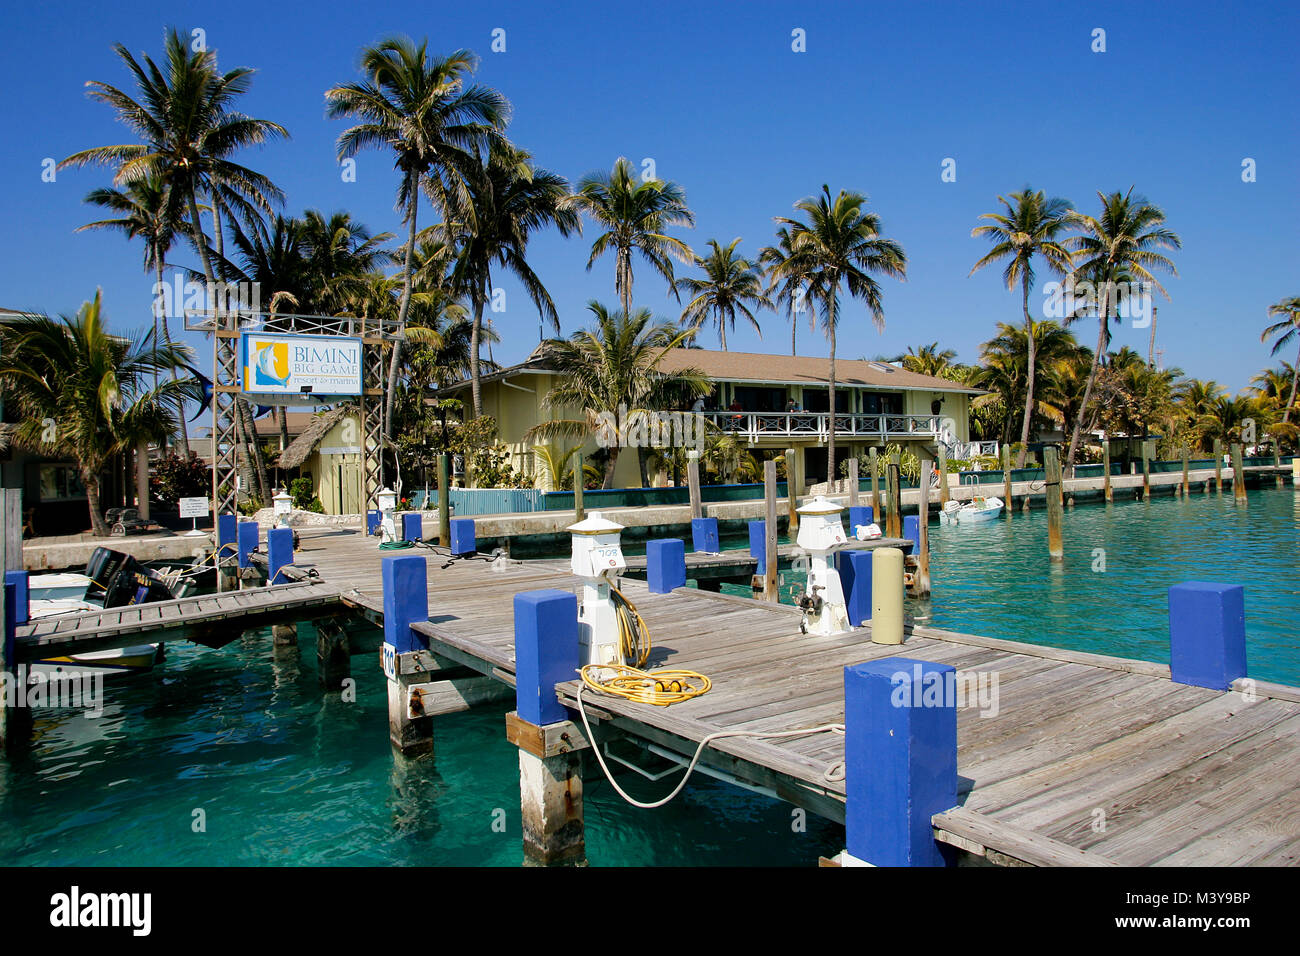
x: 117, y: 579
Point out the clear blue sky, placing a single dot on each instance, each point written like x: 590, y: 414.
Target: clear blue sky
x: 715, y: 95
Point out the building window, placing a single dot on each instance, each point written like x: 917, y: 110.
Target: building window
x: 61, y: 483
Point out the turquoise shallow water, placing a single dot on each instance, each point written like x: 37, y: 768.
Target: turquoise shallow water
x: 285, y: 774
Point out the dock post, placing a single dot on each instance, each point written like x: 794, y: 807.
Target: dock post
x: 900, y: 753
x: 887, y: 596
x: 1207, y: 634
x: 855, y: 578
x: 333, y: 662
x: 1052, y: 469
x: 373, y: 517
x: 227, y: 552
x: 22, y: 595
x: 406, y: 602
x: 1146, y: 470
x: 875, y: 480
x: 1187, y: 481
x: 1238, y: 474
x: 550, y: 768
x: 704, y: 535
x: 860, y: 516
x: 791, y: 491
x: 412, y: 526
x: 1277, y: 463
x: 771, y: 577
x: 1105, y: 470
x: 895, y: 495
x: 853, y: 481
x: 1006, y: 479
x: 279, y: 553
x: 665, y: 561
x: 943, y: 477
x: 912, y: 532
x: 444, y: 499
x: 758, y: 541
x: 464, y: 537
x: 579, y: 486
x: 922, y: 586
x: 15, y: 716
x: 693, y: 482
x: 1218, y: 466
x: 247, y: 540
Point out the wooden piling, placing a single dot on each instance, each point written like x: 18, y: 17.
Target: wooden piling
x: 334, y: 663
x: 13, y: 529
x: 1105, y: 467
x: 943, y: 478
x: 922, y: 586
x: 1187, y: 482
x: 284, y: 635
x: 1052, y: 466
x: 579, y: 509
x: 853, y: 481
x: 1277, y: 463
x: 1218, y: 466
x: 791, y: 491
x: 875, y: 483
x: 693, y: 480
x: 771, y: 589
x: 1146, y: 470
x: 895, y: 496
x: 1006, y: 479
x: 444, y: 499
x: 1238, y: 474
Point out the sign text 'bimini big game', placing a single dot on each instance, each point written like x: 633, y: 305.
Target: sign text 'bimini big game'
x: 276, y: 364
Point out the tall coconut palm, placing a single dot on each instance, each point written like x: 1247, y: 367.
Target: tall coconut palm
x: 614, y: 366
x: 509, y: 199
x: 634, y: 214
x: 1286, y: 329
x: 1007, y: 368
x: 839, y: 244
x: 731, y: 284
x: 189, y: 130
x: 146, y: 209
x: 1029, y: 226
x: 1119, y: 245
x: 418, y: 106
x: 94, y: 385
x: 340, y: 253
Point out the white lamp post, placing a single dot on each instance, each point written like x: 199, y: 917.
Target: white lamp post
x: 387, y: 501
x: 283, y: 505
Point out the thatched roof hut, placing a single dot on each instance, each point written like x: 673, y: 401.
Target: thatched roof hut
x: 301, y: 448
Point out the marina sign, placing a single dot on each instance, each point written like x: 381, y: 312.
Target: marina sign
x: 299, y: 365
x: 194, y: 507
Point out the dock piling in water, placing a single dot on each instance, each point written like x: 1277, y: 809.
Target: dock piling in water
x: 1218, y: 466
x: 1105, y: 470
x: 895, y: 482
x: 771, y: 582
x: 444, y: 500
x: 1238, y: 474
x: 875, y: 481
x: 900, y: 759
x: 579, y: 482
x: 1006, y: 478
x: 791, y: 491
x: 333, y: 661
x: 922, y: 587
x: 853, y: 481
x: 887, y: 596
x: 550, y: 761
x: 1207, y: 634
x: 279, y: 553
x: 1052, y: 468
x: 693, y: 483
x: 406, y: 602
x: 943, y: 477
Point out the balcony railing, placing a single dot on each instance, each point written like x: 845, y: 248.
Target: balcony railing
x: 753, y: 425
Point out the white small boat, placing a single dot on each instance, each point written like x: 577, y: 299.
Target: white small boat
x: 53, y: 595
x: 978, y: 509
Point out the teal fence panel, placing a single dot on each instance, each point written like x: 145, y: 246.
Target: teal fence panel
x: 467, y: 502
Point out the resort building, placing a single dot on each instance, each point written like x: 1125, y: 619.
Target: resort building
x: 769, y: 403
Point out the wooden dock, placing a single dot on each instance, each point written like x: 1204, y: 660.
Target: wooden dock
x: 193, y: 618
x: 1089, y: 759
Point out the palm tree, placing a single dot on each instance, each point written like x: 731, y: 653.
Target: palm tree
x: 1288, y: 310
x: 1030, y: 225
x: 731, y: 284
x: 148, y: 210
x: 634, y: 215
x: 96, y: 386
x: 613, y: 366
x: 340, y: 252
x: 189, y: 132
x: 418, y: 106
x: 1006, y: 371
x: 929, y: 360
x: 508, y: 200
x: 1117, y: 246
x: 789, y: 292
x: 840, y: 243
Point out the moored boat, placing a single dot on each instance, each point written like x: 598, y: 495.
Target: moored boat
x: 978, y: 509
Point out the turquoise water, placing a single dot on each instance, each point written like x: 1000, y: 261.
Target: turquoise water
x: 284, y: 773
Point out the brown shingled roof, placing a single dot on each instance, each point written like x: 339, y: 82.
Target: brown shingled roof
x: 802, y: 370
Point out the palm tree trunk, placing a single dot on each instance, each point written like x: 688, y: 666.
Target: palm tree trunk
x: 182, y: 434
x: 794, y: 327
x: 284, y: 427
x: 474, y: 386
x: 255, y: 450
x: 1029, y: 386
x: 1087, y: 391
x: 196, y: 227
x: 1295, y: 377
x: 413, y: 190
x: 830, y: 439
x: 91, y: 481
x: 722, y: 331
x: 625, y: 279
x: 610, y: 464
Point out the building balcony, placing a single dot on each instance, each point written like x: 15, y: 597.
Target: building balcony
x: 753, y: 426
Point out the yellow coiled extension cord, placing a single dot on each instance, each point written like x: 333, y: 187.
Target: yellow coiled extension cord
x: 661, y: 687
